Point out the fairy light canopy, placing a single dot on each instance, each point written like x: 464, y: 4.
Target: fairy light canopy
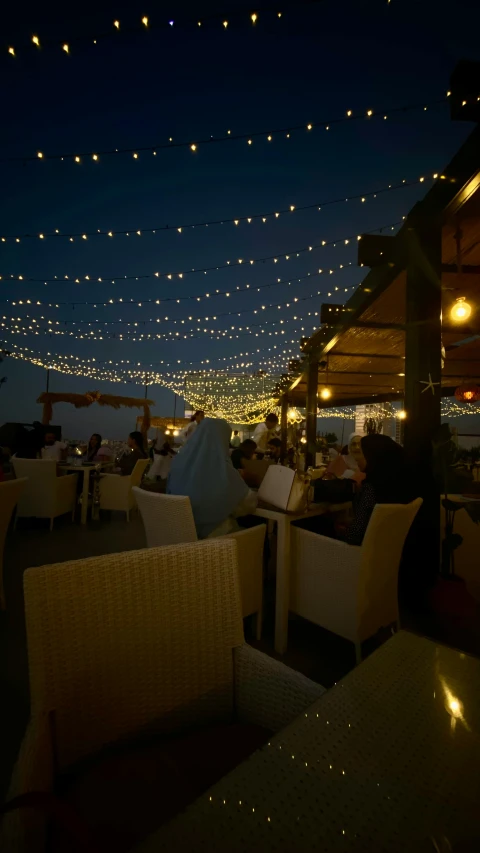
x: 240, y: 398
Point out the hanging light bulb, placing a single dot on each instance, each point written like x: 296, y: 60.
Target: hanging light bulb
x: 402, y: 415
x: 325, y: 393
x: 460, y: 310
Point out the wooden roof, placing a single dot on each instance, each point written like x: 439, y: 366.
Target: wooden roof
x: 364, y: 355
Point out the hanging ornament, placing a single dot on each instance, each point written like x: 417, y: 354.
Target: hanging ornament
x: 468, y: 393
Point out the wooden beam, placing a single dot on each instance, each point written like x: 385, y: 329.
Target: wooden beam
x: 467, y: 269
x: 283, y: 426
x: 423, y: 341
x: 312, y: 391
x: 365, y: 355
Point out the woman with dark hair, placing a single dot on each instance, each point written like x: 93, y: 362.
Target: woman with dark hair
x: 386, y: 482
x: 94, y: 446
x: 127, y: 463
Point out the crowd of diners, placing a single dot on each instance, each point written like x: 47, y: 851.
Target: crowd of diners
x: 213, y: 475
x: 212, y: 469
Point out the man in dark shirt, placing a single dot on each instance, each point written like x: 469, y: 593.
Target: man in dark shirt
x: 245, y: 451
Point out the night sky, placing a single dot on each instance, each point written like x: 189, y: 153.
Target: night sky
x: 188, y: 83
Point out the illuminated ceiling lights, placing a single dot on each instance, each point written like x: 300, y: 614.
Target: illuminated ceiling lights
x: 249, y: 218
x: 460, y: 311
x: 268, y: 134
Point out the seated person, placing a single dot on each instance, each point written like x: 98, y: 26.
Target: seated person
x: 274, y: 449
x: 386, y: 482
x: 127, y: 462
x: 202, y: 470
x: 246, y: 450
x: 53, y: 449
x: 349, y: 465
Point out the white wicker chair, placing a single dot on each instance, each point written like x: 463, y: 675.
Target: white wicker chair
x: 168, y: 520
x: 126, y: 641
x: 116, y: 491
x: 46, y: 495
x: 10, y: 492
x: 351, y: 591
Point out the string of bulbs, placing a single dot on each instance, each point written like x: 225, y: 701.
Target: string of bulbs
x: 147, y: 366
x: 145, y: 22
x: 236, y: 313
x: 284, y: 256
x: 178, y: 300
x: 249, y: 218
x: 248, y: 136
x: 89, y: 368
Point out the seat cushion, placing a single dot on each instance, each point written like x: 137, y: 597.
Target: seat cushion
x: 129, y: 791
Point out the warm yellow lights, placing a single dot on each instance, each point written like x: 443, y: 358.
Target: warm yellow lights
x: 369, y: 113
x: 325, y: 393
x: 95, y: 156
x: 66, y: 48
x: 135, y: 155
x: 39, y: 155
x: 225, y: 24
x: 254, y: 18
x: 249, y: 141
x: 11, y: 50
x: 309, y: 126
x: 269, y: 138
x: 460, y: 310
x: 145, y: 21
x: 36, y: 40
x: 41, y: 236
x: 349, y: 113
x: 77, y: 159
x: 401, y: 415
x: 193, y: 147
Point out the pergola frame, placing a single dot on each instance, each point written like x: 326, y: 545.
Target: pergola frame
x: 385, y: 344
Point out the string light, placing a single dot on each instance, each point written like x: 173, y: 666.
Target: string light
x: 159, y: 301
x: 36, y: 40
x: 461, y: 310
x: 66, y: 48
x: 283, y: 132
x: 158, y: 24
x: 249, y: 218
x: 291, y: 254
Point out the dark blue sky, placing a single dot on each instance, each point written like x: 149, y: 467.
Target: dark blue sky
x: 189, y: 83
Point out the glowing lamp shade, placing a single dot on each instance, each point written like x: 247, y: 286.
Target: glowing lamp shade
x: 468, y: 393
x: 325, y: 393
x: 460, y: 310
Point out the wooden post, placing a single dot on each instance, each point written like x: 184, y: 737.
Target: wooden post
x: 283, y: 426
x: 48, y: 379
x: 146, y: 386
x: 312, y: 389
x: 174, y: 408
x: 423, y: 341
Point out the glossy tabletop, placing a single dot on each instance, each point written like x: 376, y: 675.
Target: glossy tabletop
x: 387, y: 760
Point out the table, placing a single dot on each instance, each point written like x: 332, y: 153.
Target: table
x: 282, y: 589
x: 377, y: 764
x: 86, y: 481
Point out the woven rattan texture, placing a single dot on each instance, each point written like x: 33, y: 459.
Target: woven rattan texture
x: 375, y: 766
x: 118, y: 642
x: 168, y: 519
x: 268, y: 693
